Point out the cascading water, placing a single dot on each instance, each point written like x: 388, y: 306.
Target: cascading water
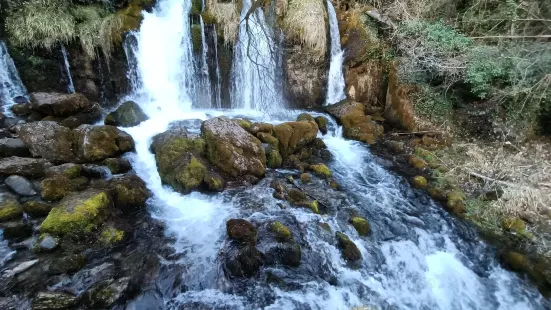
x: 10, y: 83
x: 335, y: 79
x: 417, y: 256
x: 255, y: 64
x: 218, y: 87
x: 70, y: 86
x: 204, y: 90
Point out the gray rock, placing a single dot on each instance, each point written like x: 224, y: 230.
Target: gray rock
x: 48, y: 140
x: 46, y: 243
x: 127, y: 114
x: 27, y: 167
x: 53, y: 300
x: 20, y: 268
x: 13, y: 147
x: 56, y: 104
x: 20, y: 185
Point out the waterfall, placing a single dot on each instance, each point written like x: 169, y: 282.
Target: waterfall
x: 335, y: 80
x: 70, y: 86
x: 218, y: 86
x: 204, y: 91
x: 10, y: 83
x: 255, y: 64
x: 130, y: 47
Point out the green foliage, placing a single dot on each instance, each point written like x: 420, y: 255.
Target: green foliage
x: 437, y: 37
x: 433, y: 104
x: 485, y: 66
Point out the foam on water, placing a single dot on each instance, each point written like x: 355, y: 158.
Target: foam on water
x: 10, y: 83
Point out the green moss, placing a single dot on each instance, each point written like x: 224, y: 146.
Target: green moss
x: 305, y: 178
x: 420, y: 182
x: 208, y: 18
x: 456, y: 202
x: 244, y: 123
x: 192, y: 175
x: 111, y: 235
x: 273, y: 158
x: 55, y: 188
x: 73, y: 171
x: 268, y: 138
x: 214, y: 182
x: 417, y: 162
x: 349, y: 250
x: 196, y: 39
x: 282, y: 233
x: 312, y: 205
x: 361, y: 225
x: 516, y: 261
x: 82, y: 220
x: 167, y: 154
x: 305, y: 117
x: 10, y: 211
x: 321, y: 170
x: 514, y: 224
x: 36, y: 208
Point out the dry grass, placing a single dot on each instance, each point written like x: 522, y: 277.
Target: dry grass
x: 522, y: 172
x: 306, y: 21
x: 227, y: 15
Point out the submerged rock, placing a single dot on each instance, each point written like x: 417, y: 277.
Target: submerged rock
x: 56, y: 104
x: 20, y: 185
x: 349, y: 250
x: 128, y: 114
x: 48, y: 140
x: 78, y: 214
x: 232, y: 149
x: 361, y: 225
x: 241, y: 230
x: 280, y: 231
x: 244, y: 262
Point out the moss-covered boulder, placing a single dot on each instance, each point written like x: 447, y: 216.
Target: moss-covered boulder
x: 273, y: 158
x: 128, y: 114
x: 94, y: 143
x: 361, y: 225
x: 268, y: 139
x: 514, y: 224
x: 243, y: 262
x: 280, y: 231
x: 110, y: 236
x: 37, y: 208
x: 514, y: 260
x: 320, y: 170
x: 68, y: 170
x: 56, y: 104
x: 88, y: 116
x: 232, y: 149
x: 293, y: 136
x: 48, y: 140
x: 241, y: 231
x: 78, y: 214
x: 117, y: 165
x: 9, y: 207
x: 261, y: 127
x: 27, y: 167
x: 244, y: 123
x: 305, y: 117
x: 56, y: 187
x: 322, y: 123
x: 419, y: 182
x: 417, y: 162
x: 214, y: 181
x: 129, y: 192
x: 356, y: 124
x: 349, y: 250
x: 456, y: 203
x: 313, y: 205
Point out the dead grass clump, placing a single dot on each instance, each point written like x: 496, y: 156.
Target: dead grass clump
x: 227, y: 15
x: 305, y: 21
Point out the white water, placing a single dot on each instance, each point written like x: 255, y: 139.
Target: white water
x: 204, y: 90
x: 424, y: 265
x: 70, y: 86
x: 10, y: 83
x: 218, y: 88
x: 335, y: 79
x: 255, y: 65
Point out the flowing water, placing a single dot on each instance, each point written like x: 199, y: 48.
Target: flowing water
x: 218, y: 85
x: 70, y: 86
x: 417, y: 256
x: 256, y: 66
x: 204, y: 90
x: 335, y: 79
x: 10, y: 83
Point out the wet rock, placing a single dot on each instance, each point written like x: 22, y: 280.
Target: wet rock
x: 56, y: 187
x: 78, y: 214
x: 257, y: 128
x: 56, y: 104
x: 53, y: 300
x: 37, y: 208
x: 107, y: 293
x: 67, y: 264
x: 128, y: 114
x: 22, y: 267
x: 117, y: 165
x: 20, y: 185
x: 287, y: 254
x: 305, y: 178
x: 273, y: 158
x: 94, y: 143
x: 95, y: 171
x: 361, y: 225
x: 516, y: 261
x: 293, y: 136
x: 241, y: 231
x: 334, y: 185
x: 46, y: 243
x: 321, y: 170
x: 21, y: 109
x: 232, y: 149
x: 245, y: 262
x: 68, y: 170
x: 280, y: 231
x: 48, y: 140
x: 9, y: 207
x: 357, y: 125
x: 13, y: 147
x: 305, y: 117
x: 244, y: 123
x: 296, y: 195
x: 310, y: 204
x: 89, y: 116
x: 129, y: 192
x: 420, y: 182
x: 17, y: 230
x: 322, y: 124
x: 349, y: 250
x: 214, y: 181
x: 268, y: 139
x: 27, y: 167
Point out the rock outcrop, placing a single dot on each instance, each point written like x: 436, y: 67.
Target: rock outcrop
x: 128, y: 114
x: 357, y: 125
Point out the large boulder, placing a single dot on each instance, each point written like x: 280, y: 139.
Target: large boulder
x: 78, y: 214
x: 27, y: 167
x: 127, y: 114
x: 94, y: 143
x: 56, y: 104
x: 48, y: 140
x: 86, y: 116
x: 232, y: 149
x: 180, y: 159
x: 129, y: 192
x: 293, y: 136
x: 357, y: 125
